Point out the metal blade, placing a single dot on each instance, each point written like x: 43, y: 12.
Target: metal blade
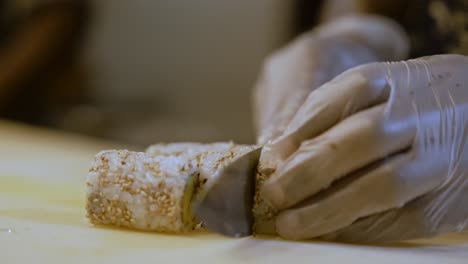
x: 226, y: 207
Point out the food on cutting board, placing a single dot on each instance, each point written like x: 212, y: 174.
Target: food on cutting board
x: 153, y: 190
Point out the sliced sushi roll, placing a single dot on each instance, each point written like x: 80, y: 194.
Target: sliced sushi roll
x: 154, y: 190
x: 141, y: 191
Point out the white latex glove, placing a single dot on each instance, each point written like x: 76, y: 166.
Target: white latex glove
x: 377, y: 154
x: 315, y: 58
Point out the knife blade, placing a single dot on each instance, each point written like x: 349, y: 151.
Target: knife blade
x: 226, y: 206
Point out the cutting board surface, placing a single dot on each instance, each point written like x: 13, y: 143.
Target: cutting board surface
x: 42, y: 219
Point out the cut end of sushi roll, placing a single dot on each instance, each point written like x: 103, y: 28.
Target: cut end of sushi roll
x: 140, y: 191
x: 263, y: 214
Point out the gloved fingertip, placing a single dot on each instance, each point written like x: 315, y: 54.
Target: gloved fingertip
x: 273, y: 195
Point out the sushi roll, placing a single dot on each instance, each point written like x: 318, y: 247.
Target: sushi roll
x: 153, y: 190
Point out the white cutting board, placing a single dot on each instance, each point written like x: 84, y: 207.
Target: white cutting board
x: 42, y: 177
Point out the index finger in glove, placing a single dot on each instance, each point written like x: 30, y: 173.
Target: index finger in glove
x: 348, y: 93
x: 352, y: 144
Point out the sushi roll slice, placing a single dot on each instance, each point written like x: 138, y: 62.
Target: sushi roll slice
x: 141, y: 191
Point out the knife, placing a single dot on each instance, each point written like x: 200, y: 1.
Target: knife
x: 226, y: 206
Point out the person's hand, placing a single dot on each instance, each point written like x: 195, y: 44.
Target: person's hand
x: 377, y: 154
x: 316, y: 57
x: 312, y: 59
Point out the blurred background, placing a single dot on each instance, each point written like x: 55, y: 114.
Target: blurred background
x: 138, y: 71
x: 181, y: 70
x: 143, y: 71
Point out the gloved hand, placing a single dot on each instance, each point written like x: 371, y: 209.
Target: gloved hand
x: 377, y: 154
x: 314, y: 58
